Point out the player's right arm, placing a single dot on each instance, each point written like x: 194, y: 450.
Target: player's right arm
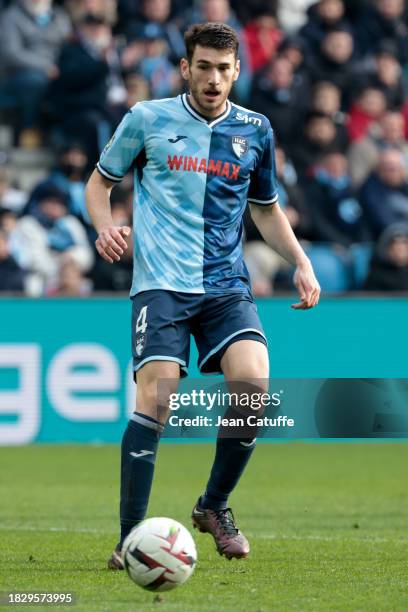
x: 115, y: 161
x: 110, y: 243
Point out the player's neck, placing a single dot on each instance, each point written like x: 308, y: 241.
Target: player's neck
x: 210, y: 116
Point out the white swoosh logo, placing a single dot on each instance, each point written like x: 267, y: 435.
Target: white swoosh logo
x: 198, y: 512
x: 142, y: 453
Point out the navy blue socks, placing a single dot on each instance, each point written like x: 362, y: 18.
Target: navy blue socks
x: 139, y: 448
x: 231, y: 457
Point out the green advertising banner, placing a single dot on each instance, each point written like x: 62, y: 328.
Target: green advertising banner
x: 66, y: 372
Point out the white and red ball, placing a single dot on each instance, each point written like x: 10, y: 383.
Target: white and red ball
x: 159, y: 554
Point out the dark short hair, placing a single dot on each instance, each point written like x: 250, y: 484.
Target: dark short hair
x: 214, y: 35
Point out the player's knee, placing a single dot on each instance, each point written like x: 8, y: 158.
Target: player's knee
x: 248, y: 384
x: 247, y: 360
x: 155, y: 382
x: 153, y: 394
x: 255, y: 369
x: 257, y: 382
x: 147, y: 396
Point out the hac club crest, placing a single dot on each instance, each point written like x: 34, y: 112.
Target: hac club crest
x: 140, y: 343
x: 240, y: 146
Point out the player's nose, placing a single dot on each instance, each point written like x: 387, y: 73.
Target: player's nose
x: 214, y: 78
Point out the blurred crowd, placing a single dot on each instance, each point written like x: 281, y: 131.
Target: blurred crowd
x: 331, y: 76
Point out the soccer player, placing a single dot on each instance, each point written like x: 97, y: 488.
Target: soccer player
x: 197, y: 160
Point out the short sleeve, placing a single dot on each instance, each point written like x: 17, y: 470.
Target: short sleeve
x: 124, y: 146
x: 263, y: 189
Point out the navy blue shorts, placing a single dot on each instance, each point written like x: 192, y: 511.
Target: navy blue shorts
x: 162, y: 322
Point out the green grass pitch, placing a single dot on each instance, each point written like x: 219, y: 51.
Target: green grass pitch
x: 328, y: 525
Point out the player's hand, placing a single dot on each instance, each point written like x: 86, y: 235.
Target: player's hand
x: 307, y: 286
x: 111, y: 242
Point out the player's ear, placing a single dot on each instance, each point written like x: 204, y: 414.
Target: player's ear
x: 184, y: 68
x: 237, y: 69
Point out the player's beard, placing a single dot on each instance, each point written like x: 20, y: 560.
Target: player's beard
x: 207, y: 107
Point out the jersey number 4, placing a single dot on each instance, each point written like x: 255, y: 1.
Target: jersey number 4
x: 141, y: 323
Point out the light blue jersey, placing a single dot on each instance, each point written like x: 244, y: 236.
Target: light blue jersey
x: 193, y: 179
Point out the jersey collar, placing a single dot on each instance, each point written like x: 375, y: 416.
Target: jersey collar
x: 199, y: 117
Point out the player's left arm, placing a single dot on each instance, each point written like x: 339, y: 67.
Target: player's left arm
x: 275, y: 229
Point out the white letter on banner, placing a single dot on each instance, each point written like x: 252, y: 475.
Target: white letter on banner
x: 23, y: 402
x: 63, y: 382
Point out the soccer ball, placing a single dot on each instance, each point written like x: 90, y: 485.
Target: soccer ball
x: 159, y: 554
